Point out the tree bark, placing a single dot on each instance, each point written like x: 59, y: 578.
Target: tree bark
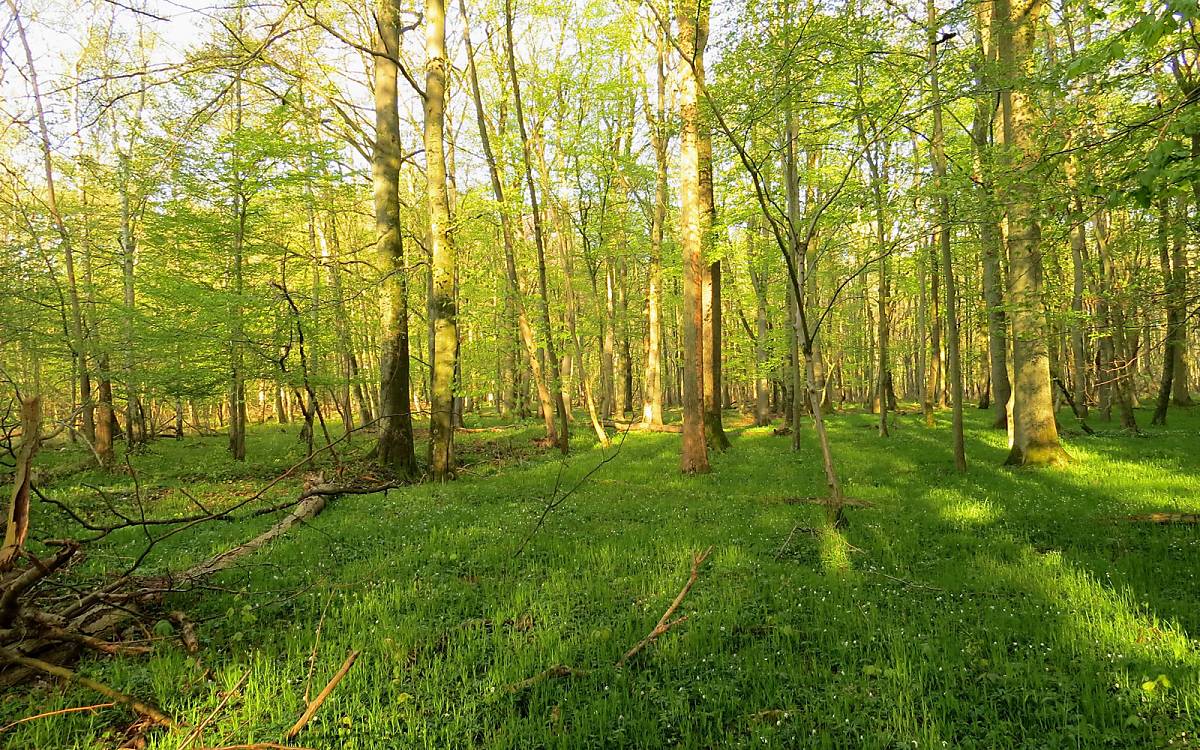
x: 990, y: 239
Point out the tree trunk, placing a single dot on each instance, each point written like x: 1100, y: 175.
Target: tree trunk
x: 990, y: 239
x: 652, y: 390
x: 237, y: 385
x: 444, y: 306
x: 693, y: 37
x: 937, y: 152
x: 555, y: 384
x: 1170, y: 336
x: 396, y: 447
x: 1035, y: 432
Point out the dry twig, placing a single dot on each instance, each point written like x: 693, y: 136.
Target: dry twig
x: 54, y: 670
x: 323, y: 695
x: 59, y: 712
x: 665, y: 622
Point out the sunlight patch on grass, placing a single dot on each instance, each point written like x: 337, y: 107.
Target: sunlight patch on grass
x: 966, y: 514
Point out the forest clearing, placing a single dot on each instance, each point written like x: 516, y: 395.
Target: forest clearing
x: 574, y: 373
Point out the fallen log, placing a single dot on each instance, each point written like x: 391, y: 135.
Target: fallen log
x: 1166, y: 518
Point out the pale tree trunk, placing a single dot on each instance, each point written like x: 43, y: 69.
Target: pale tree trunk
x: 693, y: 36
x: 1079, y: 356
x: 990, y: 241
x: 237, y: 385
x: 555, y: 384
x: 652, y: 389
x: 876, y: 153
x: 714, y: 430
x: 1034, y: 429
x: 1180, y: 394
x: 395, y: 448
x: 937, y: 152
x: 513, y: 286
x: 444, y: 308
x: 135, y: 422
x: 77, y: 343
x: 799, y: 258
x: 762, y: 387
x: 934, y: 369
x: 106, y: 427
x: 608, y: 342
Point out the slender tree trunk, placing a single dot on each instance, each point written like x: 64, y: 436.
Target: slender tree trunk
x: 237, y: 385
x: 693, y: 37
x: 990, y: 239
x: 652, y: 389
x: 933, y: 372
x: 443, y: 267
x: 396, y: 447
x: 798, y: 252
x: 555, y: 384
x: 78, y: 344
x: 937, y: 151
x: 1170, y: 336
x: 513, y: 286
x: 1078, y: 333
x: 608, y: 322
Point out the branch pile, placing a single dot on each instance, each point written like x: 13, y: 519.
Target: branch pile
x: 47, y: 620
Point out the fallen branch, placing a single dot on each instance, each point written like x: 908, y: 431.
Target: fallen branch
x: 187, y: 631
x: 556, y: 500
x: 665, y: 622
x: 59, y: 712
x: 323, y: 695
x: 196, y: 733
x: 558, y: 670
x: 844, y: 502
x: 150, y: 712
x: 1166, y: 518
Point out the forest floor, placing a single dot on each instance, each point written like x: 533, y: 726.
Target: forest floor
x: 1000, y: 608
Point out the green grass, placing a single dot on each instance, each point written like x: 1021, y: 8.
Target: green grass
x: 1000, y: 608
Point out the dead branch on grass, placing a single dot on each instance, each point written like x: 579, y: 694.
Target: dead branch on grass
x: 665, y: 622
x: 323, y: 695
